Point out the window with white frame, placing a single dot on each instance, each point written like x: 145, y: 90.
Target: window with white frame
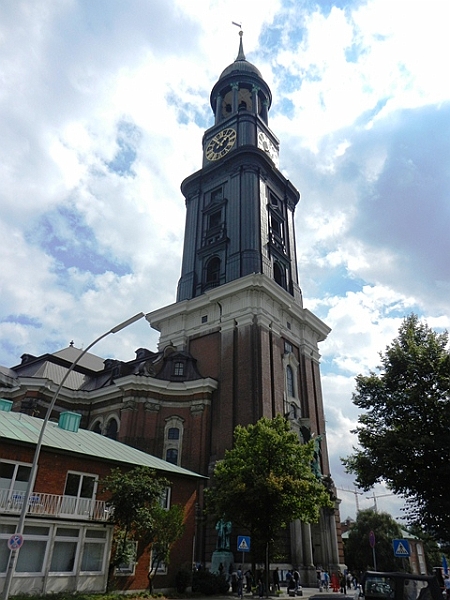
x: 129, y: 567
x: 34, y: 549
x: 13, y: 481
x: 173, y: 440
x: 165, y: 498
x: 65, y: 549
x: 161, y: 567
x: 6, y: 531
x: 55, y: 549
x: 94, y: 545
x: 79, y: 494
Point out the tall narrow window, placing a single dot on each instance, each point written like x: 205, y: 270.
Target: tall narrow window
x: 279, y: 274
x: 173, y: 440
x: 290, y: 381
x: 64, y: 550
x: 213, y: 271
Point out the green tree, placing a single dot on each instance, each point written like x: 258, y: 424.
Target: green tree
x: 168, y: 528
x: 404, y: 432
x: 267, y: 481
x: 359, y: 556
x: 138, y: 516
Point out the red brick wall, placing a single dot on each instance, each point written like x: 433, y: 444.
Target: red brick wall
x: 51, y: 478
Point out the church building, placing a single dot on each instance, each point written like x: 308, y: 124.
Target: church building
x: 237, y: 344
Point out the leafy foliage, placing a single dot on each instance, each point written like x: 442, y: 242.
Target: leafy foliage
x: 209, y: 584
x: 357, y: 550
x: 404, y: 432
x: 134, y: 496
x: 167, y: 529
x: 266, y: 481
x: 138, y: 515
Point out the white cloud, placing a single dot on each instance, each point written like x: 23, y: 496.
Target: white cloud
x: 102, y: 112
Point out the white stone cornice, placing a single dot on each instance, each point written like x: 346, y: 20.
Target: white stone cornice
x: 172, y: 388
x: 237, y: 302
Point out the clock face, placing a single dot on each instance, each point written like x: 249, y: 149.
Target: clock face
x: 220, y: 144
x: 265, y: 144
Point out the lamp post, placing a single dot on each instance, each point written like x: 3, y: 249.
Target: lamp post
x: 14, y: 554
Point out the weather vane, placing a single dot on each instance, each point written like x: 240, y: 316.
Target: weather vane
x: 237, y: 24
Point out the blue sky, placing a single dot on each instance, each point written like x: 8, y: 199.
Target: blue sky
x: 102, y: 109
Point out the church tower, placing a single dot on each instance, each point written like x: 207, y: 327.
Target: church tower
x: 239, y: 309
x: 240, y: 208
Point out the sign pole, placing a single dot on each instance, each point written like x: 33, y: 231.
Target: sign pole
x: 372, y: 545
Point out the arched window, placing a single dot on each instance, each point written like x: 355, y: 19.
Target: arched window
x: 292, y: 400
x: 97, y: 427
x: 111, y: 429
x: 293, y: 411
x: 290, y: 381
x: 278, y: 274
x: 213, y: 271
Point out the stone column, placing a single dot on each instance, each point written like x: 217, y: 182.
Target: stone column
x: 235, y: 88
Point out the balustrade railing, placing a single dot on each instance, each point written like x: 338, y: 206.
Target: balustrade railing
x: 54, y: 505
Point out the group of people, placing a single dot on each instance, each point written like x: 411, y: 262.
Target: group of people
x: 293, y: 584
x: 247, y: 582
x: 241, y: 581
x: 341, y: 581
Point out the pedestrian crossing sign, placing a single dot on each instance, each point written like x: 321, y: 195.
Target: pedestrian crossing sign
x: 401, y: 548
x: 243, y: 543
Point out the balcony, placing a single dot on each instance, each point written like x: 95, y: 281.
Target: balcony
x: 51, y: 505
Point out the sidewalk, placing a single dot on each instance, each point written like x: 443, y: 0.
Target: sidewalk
x: 307, y: 593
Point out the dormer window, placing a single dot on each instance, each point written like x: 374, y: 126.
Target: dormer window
x: 178, y: 368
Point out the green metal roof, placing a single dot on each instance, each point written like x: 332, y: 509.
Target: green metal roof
x: 19, y: 427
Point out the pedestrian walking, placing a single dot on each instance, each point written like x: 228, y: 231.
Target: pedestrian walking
x: 276, y: 580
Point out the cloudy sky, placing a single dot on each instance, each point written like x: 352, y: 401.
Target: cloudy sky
x: 103, y: 104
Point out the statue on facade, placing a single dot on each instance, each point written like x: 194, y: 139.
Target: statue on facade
x: 316, y: 460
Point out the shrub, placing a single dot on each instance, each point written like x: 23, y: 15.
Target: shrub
x: 182, y: 580
x: 209, y: 584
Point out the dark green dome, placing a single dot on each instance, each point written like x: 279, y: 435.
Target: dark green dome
x: 241, y: 65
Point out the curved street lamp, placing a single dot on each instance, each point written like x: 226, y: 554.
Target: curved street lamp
x: 14, y: 554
